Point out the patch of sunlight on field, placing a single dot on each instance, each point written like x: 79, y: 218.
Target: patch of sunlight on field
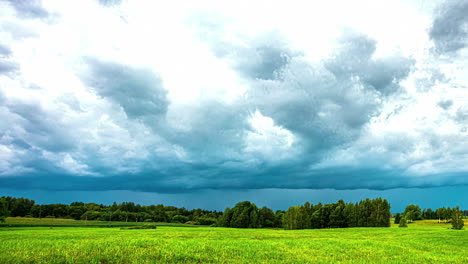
x: 421, y: 242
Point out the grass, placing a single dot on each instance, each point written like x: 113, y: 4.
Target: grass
x: 421, y: 242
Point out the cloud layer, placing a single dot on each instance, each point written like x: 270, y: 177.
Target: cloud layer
x: 170, y: 98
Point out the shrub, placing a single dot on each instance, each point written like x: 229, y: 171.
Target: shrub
x: 457, y: 219
x: 179, y: 219
x: 403, y: 222
x: 206, y: 221
x: 148, y: 220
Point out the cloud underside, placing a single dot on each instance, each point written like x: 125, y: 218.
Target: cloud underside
x: 210, y: 108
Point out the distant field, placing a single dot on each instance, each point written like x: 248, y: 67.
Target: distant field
x: 421, y: 242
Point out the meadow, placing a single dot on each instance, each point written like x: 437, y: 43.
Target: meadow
x: 422, y: 242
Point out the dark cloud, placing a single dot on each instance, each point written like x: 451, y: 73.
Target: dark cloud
x: 445, y: 104
x: 4, y: 51
x: 132, y: 137
x: 354, y: 59
x: 449, y: 29
x: 7, y: 67
x: 138, y: 91
x: 264, y: 62
x: 327, y: 105
x: 38, y: 128
x: 215, y: 131
x: 262, y: 57
x: 345, y: 178
x: 29, y: 8
x: 324, y: 106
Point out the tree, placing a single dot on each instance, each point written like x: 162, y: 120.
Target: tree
x: 457, y: 219
x: 336, y: 217
x: 266, y: 217
x: 349, y: 215
x: 292, y: 218
x: 225, y: 219
x: 3, y: 210
x: 19, y: 206
x: 397, y: 218
x: 403, y: 222
x: 243, y: 215
x: 413, y: 212
x: 278, y: 218
x: 179, y: 219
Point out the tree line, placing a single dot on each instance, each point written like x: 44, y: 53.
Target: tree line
x: 413, y: 212
x: 366, y: 213
x: 124, y: 212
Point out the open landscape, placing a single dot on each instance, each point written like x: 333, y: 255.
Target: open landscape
x: 244, y: 131
x: 424, y: 241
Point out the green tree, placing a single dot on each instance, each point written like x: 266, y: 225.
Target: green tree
x: 179, y: 219
x: 403, y: 222
x: 457, y: 219
x: 413, y: 212
x: 336, y: 217
x: 225, y: 219
x: 244, y: 215
x: 292, y: 218
x: 397, y: 218
x: 3, y: 210
x: 266, y: 217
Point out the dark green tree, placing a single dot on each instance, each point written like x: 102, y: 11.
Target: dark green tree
x: 225, y: 219
x: 413, y: 212
x: 266, y: 217
x: 403, y: 222
x: 457, y: 219
x: 397, y: 218
x: 292, y: 218
x: 3, y: 210
x: 179, y: 219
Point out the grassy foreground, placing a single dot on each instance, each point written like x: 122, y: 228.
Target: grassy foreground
x: 423, y: 242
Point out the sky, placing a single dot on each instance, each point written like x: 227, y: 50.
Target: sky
x: 208, y: 103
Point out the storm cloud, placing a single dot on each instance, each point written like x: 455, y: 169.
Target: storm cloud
x: 450, y: 26
x: 158, y: 98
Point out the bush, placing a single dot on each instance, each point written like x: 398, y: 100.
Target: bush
x: 457, y: 219
x: 2, y: 219
x: 139, y: 227
x: 206, y: 221
x: 50, y: 216
x: 403, y: 222
x: 179, y: 219
x: 191, y: 223
x: 148, y: 220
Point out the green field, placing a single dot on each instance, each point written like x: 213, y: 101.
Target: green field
x: 421, y: 242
